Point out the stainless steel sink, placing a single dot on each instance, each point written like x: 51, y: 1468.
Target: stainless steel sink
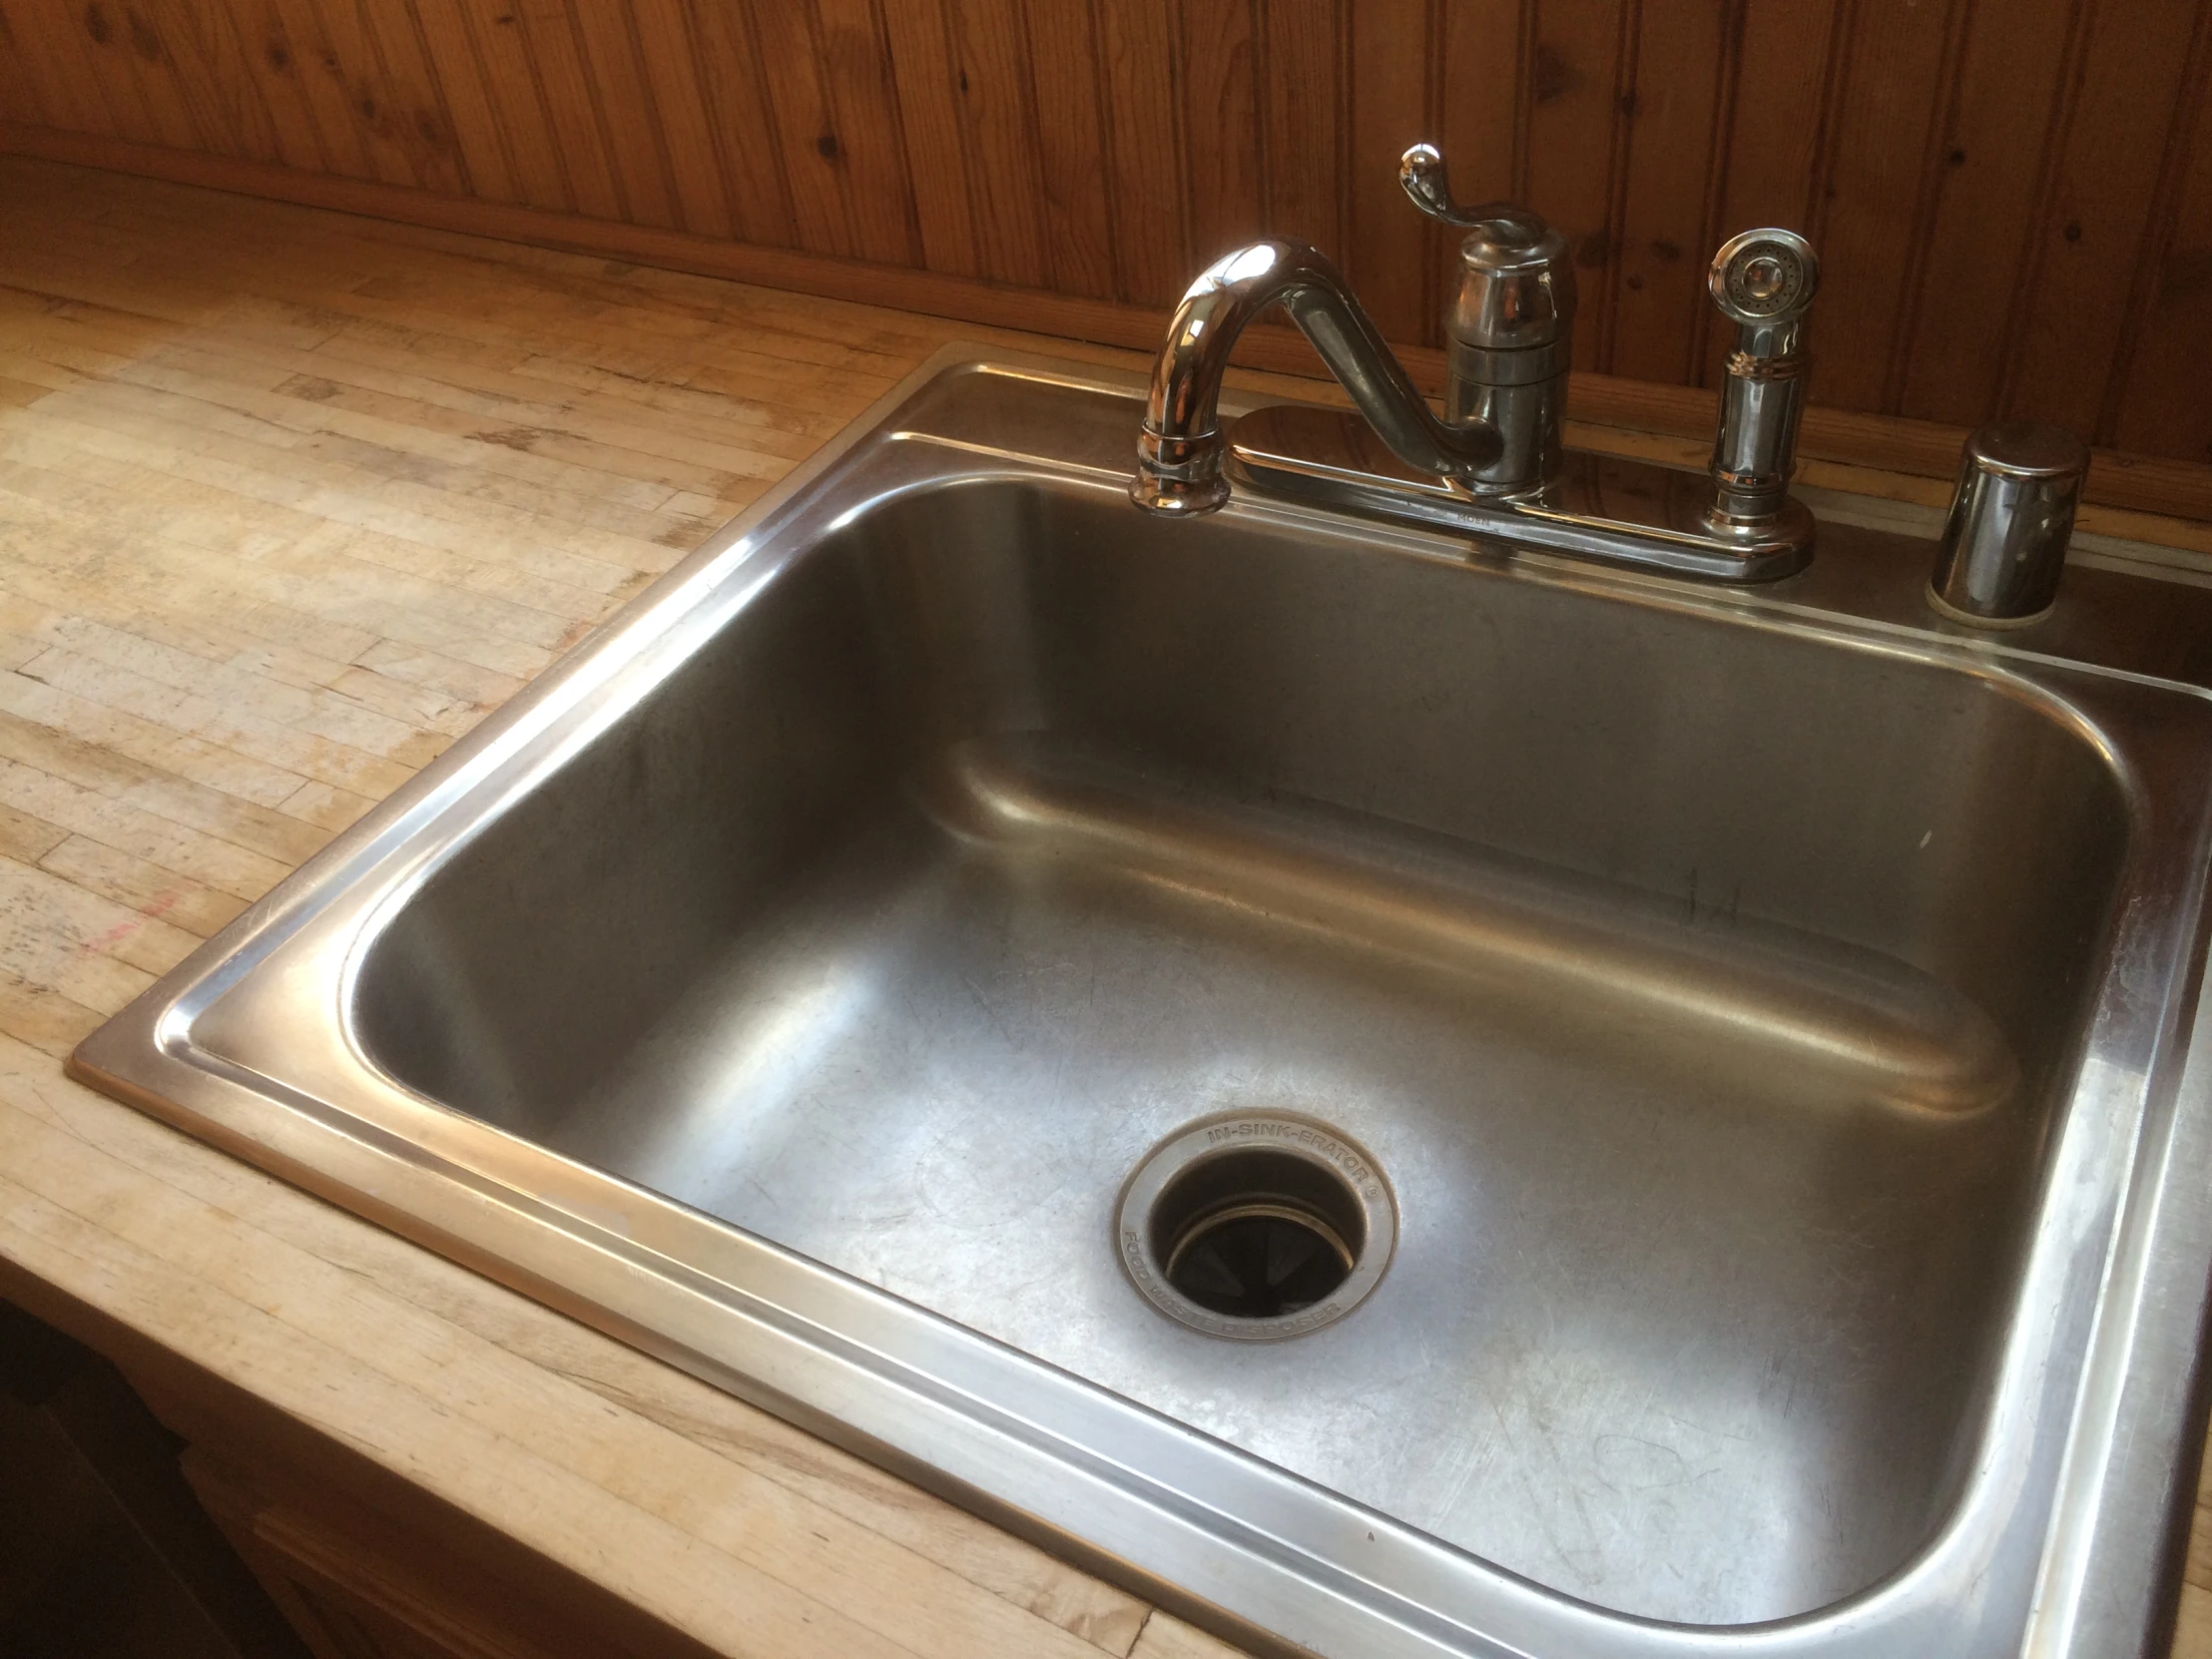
x: 1694, y: 1086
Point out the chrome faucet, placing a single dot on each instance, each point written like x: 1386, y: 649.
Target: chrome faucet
x: 1494, y: 465
x: 1510, y: 328
x: 1179, y: 451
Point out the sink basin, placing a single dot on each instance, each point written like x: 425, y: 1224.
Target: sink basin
x: 1406, y: 1098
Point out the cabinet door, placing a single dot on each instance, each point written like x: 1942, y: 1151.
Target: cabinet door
x: 359, y: 1561
x: 103, y: 1549
x: 347, y: 1598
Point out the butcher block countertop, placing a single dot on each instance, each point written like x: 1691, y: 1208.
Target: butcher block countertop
x: 288, y: 502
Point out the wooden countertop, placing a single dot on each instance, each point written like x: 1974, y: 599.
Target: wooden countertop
x: 289, y: 500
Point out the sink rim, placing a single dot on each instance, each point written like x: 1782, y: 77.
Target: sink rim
x: 634, y: 1264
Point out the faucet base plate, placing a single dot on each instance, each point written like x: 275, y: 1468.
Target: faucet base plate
x: 1607, y: 507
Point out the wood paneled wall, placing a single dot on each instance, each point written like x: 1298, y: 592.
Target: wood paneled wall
x: 2012, y: 198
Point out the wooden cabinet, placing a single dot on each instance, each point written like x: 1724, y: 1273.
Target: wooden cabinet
x: 348, y: 1597
x: 102, y: 1549
x: 361, y: 1563
x: 367, y: 1567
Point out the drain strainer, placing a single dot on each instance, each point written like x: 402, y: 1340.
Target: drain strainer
x: 1256, y: 1226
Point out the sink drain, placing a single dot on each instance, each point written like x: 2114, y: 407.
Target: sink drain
x: 1256, y: 1226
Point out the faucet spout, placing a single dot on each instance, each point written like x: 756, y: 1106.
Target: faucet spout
x: 1179, y: 452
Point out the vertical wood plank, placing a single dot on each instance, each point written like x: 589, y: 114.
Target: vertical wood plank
x: 1149, y: 192
x: 2183, y: 137
x: 1221, y: 112
x: 1390, y: 256
x: 629, y: 111
x: 2096, y: 220
x: 742, y: 122
x: 1682, y: 63
x: 1888, y: 118
x: 490, y: 33
x: 672, y: 69
x: 871, y: 167
x: 347, y: 84
x: 452, y: 62
x: 73, y: 86
x: 1006, y: 187
x: 115, y: 53
x: 1070, y: 133
x: 312, y: 60
x: 1934, y: 165
x: 2164, y: 409
x: 1576, y: 94
x: 19, y: 84
x: 929, y: 112
x: 1977, y: 236
x: 214, y: 79
x: 548, y: 42
x: 418, y: 109
x: 145, y: 56
x: 1628, y: 45
x: 1303, y: 101
x: 165, y: 32
x: 276, y: 62
x: 1773, y: 161
x: 806, y: 127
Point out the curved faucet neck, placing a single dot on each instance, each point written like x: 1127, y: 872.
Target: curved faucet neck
x: 1180, y: 450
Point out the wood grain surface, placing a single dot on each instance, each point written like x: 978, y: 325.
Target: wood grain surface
x: 2012, y: 198
x: 289, y: 500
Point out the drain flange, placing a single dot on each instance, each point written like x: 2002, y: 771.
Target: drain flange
x: 1256, y: 1226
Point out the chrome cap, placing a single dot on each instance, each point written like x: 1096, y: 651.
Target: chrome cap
x: 2004, y: 545
x: 1512, y: 295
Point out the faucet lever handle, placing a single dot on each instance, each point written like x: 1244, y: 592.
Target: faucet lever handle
x: 1421, y: 171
